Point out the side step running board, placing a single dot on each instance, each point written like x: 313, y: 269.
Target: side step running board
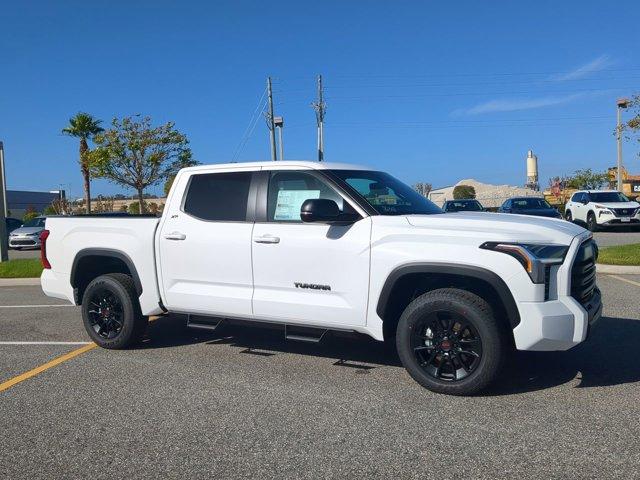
x: 203, y: 323
x: 304, y: 334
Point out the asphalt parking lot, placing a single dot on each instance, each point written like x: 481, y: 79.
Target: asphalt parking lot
x: 243, y: 402
x: 30, y: 253
x: 619, y: 236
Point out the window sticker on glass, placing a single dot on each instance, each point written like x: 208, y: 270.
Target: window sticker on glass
x: 289, y: 203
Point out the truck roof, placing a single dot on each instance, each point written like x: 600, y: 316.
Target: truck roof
x: 285, y: 163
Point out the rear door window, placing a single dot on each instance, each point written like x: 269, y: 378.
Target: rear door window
x: 220, y: 197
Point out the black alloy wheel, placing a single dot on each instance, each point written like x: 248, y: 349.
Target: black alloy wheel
x: 106, y: 313
x: 447, y: 347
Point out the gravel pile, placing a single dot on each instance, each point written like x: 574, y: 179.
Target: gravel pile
x: 488, y: 195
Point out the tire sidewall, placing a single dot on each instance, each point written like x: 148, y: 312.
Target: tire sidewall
x: 568, y: 216
x: 485, y: 326
x: 130, y: 312
x: 592, y: 224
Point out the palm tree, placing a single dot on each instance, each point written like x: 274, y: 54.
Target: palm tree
x: 84, y: 127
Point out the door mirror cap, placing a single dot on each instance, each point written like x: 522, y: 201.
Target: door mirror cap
x: 320, y: 210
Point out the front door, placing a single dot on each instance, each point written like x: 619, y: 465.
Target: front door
x: 308, y: 273
x: 205, y: 245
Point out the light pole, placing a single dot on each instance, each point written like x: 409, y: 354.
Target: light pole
x: 4, y: 236
x: 621, y: 103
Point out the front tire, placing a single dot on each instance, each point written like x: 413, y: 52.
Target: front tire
x: 450, y: 342
x: 111, y: 312
x: 592, y: 224
x: 568, y: 217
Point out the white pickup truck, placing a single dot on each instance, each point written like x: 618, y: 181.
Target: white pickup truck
x: 319, y: 247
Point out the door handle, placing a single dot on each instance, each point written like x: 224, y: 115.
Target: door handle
x: 175, y: 236
x: 266, y: 239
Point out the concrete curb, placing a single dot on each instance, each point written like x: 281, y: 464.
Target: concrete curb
x: 16, y: 282
x: 618, y: 269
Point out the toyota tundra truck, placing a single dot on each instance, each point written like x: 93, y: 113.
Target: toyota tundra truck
x: 322, y: 247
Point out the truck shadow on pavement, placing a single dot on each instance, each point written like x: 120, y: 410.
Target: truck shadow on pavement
x: 608, y: 357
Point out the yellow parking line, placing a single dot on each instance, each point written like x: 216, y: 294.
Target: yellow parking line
x: 56, y: 361
x: 622, y: 279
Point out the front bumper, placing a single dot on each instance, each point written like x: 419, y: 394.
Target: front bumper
x: 620, y: 222
x: 557, y: 324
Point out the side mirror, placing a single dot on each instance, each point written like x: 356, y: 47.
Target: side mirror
x: 319, y: 210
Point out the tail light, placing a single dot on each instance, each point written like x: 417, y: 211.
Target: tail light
x: 43, y: 249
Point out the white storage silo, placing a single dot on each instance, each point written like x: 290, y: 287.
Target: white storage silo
x: 532, y: 171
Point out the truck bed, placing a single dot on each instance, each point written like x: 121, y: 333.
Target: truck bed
x: 73, y: 237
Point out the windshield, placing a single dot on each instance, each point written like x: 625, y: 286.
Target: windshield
x: 35, y: 222
x: 529, y: 203
x: 387, y: 195
x: 468, y: 206
x: 608, y: 197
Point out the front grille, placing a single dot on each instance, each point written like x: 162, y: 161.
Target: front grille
x: 547, y: 282
x: 23, y: 242
x: 624, y: 212
x: 583, y: 272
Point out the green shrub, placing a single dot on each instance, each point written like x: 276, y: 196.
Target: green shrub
x: 30, y: 214
x: 461, y: 192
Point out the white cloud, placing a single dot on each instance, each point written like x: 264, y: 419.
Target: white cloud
x: 595, y: 65
x: 512, y: 105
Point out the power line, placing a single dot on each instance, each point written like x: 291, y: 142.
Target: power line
x: 250, y: 127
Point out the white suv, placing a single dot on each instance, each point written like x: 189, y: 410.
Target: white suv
x: 602, y: 208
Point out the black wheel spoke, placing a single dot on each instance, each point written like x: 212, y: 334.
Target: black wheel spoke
x: 424, y: 347
x: 431, y: 358
x: 470, y: 352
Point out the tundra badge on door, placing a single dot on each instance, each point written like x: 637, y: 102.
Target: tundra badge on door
x: 312, y: 286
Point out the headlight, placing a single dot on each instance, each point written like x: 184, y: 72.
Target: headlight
x: 603, y: 210
x: 534, y: 258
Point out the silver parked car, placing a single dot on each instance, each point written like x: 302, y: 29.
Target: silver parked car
x: 28, y: 235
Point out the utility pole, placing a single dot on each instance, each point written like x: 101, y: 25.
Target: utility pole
x: 621, y: 103
x: 320, y: 107
x: 270, y: 121
x: 4, y: 238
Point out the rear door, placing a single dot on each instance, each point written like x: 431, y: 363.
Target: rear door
x: 205, y: 244
x: 579, y: 208
x: 308, y: 273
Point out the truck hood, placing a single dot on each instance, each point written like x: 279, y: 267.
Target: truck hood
x: 629, y: 205
x: 499, y: 227
x: 540, y: 212
x: 27, y: 230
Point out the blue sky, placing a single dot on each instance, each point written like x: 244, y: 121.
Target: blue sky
x: 430, y: 91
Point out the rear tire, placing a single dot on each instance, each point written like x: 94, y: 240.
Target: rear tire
x: 592, y: 224
x: 443, y: 359
x: 111, y: 312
